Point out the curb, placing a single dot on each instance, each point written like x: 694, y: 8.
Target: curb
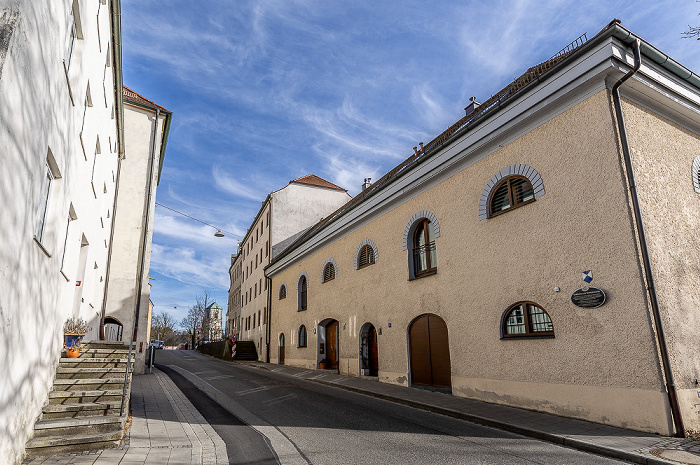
x: 577, y: 444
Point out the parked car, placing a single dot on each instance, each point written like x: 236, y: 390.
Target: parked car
x: 156, y: 344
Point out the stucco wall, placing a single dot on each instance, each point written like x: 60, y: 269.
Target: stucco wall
x: 662, y: 156
x: 38, y: 282
x: 602, y: 364
x: 129, y: 224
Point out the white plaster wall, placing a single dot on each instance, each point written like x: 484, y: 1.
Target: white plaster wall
x: 298, y: 206
x: 37, y: 114
x: 128, y: 230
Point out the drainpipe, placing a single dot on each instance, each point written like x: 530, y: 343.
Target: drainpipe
x: 111, y: 244
x: 142, y: 257
x: 268, y: 331
x: 643, y: 248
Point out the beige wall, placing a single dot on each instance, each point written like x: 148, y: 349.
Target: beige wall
x: 662, y: 155
x: 599, y: 357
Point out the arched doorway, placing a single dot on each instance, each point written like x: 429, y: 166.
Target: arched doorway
x: 429, y: 352
x: 113, y: 329
x: 328, y: 342
x: 369, y: 354
x: 280, y: 359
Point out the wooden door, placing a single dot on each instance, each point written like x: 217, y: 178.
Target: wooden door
x: 332, y: 344
x: 281, y: 356
x: 373, y: 352
x: 430, y: 352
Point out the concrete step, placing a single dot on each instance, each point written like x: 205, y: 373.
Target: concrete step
x: 72, y: 443
x: 85, y: 373
x: 85, y: 409
x: 79, y: 426
x: 103, y: 353
x: 80, y: 397
x: 94, y: 362
x: 89, y: 384
x: 106, y: 345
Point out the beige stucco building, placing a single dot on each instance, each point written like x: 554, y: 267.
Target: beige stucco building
x: 463, y: 268
x: 284, y: 214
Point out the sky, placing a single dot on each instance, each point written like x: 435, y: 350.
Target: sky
x: 263, y: 92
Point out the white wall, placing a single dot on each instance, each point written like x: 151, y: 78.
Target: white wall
x: 37, y: 114
x: 298, y: 206
x: 128, y: 230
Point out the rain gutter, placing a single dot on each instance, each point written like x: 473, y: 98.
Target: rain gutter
x: 643, y: 247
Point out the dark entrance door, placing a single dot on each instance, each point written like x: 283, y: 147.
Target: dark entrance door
x: 430, y: 352
x: 373, y: 352
x: 332, y: 344
x: 281, y: 355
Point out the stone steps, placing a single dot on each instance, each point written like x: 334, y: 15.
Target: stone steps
x: 77, y: 397
x: 246, y: 350
x: 82, y: 412
x: 82, y: 409
x: 88, y: 384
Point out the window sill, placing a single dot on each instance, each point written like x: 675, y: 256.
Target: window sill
x: 41, y: 246
x: 529, y: 336
x: 425, y: 274
x: 301, y: 310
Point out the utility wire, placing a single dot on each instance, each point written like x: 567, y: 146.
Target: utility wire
x: 193, y: 218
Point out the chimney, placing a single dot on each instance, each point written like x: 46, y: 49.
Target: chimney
x: 367, y: 183
x: 472, y: 106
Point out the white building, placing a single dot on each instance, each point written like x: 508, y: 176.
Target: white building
x: 62, y: 147
x: 147, y: 125
x: 284, y: 215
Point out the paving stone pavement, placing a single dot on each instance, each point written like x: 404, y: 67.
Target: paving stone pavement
x: 629, y: 445
x: 166, y: 429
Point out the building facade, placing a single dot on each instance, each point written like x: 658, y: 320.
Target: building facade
x: 128, y: 290
x: 284, y: 214
x: 61, y: 135
x: 211, y: 323
x: 233, y: 312
x: 503, y: 261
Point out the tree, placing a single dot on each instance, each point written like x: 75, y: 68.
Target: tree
x: 192, y: 323
x: 692, y: 32
x: 163, y: 328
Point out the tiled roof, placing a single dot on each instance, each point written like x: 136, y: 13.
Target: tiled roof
x: 493, y: 104
x: 134, y: 97
x: 314, y: 180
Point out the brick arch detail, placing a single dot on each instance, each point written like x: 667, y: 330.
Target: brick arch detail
x: 371, y: 243
x: 513, y: 170
x: 418, y: 216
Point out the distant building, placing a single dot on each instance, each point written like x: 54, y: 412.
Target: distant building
x: 211, y: 323
x: 504, y: 260
x: 233, y: 313
x: 284, y: 214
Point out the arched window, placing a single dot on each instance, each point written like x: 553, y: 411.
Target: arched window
x: 302, y: 336
x: 302, y: 290
x: 328, y: 272
x: 526, y: 319
x: 696, y: 174
x: 424, y: 257
x: 513, y: 186
x: 365, y: 257
x: 511, y: 193
x: 283, y: 292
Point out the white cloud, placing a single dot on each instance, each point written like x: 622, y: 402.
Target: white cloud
x: 185, y: 265
x: 225, y: 181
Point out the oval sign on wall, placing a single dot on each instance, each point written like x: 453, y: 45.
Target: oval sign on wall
x: 590, y: 297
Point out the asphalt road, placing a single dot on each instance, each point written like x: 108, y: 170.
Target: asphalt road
x: 278, y: 418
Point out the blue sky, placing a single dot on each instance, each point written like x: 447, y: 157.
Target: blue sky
x: 263, y: 92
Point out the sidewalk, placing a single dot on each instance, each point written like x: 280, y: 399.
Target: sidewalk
x: 166, y: 429
x: 609, y: 441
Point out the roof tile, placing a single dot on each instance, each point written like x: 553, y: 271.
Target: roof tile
x: 314, y: 180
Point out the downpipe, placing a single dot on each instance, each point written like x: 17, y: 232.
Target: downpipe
x: 644, y: 249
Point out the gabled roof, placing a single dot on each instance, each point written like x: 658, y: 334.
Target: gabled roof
x: 501, y: 99
x: 314, y: 180
x: 134, y: 97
